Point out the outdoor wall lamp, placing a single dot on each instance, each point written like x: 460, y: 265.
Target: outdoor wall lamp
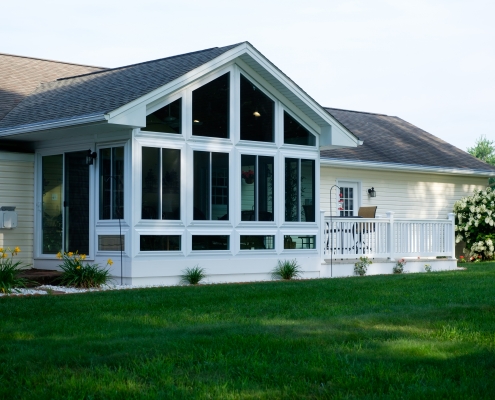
x: 90, y: 157
x: 371, y: 192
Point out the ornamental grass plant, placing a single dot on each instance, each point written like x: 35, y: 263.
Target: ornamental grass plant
x: 81, y: 274
x: 286, y: 270
x: 10, y: 270
x: 193, y: 275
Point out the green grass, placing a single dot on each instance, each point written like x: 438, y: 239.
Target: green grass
x: 396, y: 336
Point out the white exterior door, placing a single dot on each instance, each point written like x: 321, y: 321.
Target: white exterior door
x: 349, y: 199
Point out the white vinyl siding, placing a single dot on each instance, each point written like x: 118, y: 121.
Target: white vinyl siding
x: 17, y: 189
x: 407, y: 194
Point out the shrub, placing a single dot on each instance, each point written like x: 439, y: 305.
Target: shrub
x: 427, y: 267
x: 399, y: 267
x: 193, y: 275
x: 81, y: 274
x: 10, y: 270
x: 361, y: 267
x: 475, y: 221
x: 287, y: 270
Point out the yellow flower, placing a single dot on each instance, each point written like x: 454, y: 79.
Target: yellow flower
x: 59, y: 255
x: 70, y: 253
x: 109, y: 262
x: 83, y: 256
x: 78, y: 267
x: 1, y: 250
x: 4, y: 255
x: 17, y: 249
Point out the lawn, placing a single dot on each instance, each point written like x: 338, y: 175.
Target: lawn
x: 397, y: 336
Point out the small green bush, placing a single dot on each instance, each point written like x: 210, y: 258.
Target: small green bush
x: 287, y: 270
x: 10, y: 270
x: 428, y: 268
x: 361, y: 267
x: 399, y: 267
x: 82, y: 275
x: 193, y: 275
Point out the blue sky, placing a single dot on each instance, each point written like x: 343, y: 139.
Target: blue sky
x: 431, y: 63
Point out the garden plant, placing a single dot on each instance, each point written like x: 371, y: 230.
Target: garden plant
x: 286, y: 270
x: 399, y: 267
x: 79, y: 273
x: 361, y: 267
x: 10, y: 270
x: 193, y: 275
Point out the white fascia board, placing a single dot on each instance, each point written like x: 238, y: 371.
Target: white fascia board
x: 51, y: 125
x: 391, y: 167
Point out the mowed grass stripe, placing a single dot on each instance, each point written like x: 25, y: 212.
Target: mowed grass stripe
x: 396, y: 336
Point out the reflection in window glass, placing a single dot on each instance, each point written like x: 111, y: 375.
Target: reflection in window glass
x: 170, y: 184
x: 210, y: 108
x: 112, y: 183
x: 295, y: 133
x: 257, y: 111
x: 211, y: 186
x: 52, y: 181
x: 299, y: 242
x: 167, y: 119
x: 257, y: 242
x: 159, y: 242
x: 299, y: 190
x: 111, y: 243
x: 256, y: 188
x: 210, y: 242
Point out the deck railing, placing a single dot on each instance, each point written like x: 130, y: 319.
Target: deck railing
x: 351, y: 238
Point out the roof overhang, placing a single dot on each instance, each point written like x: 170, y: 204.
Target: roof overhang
x: 380, y: 166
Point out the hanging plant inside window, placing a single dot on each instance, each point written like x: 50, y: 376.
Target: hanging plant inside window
x: 248, y: 176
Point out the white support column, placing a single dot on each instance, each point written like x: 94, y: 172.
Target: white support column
x: 323, y: 227
x: 390, y: 235
x: 452, y: 233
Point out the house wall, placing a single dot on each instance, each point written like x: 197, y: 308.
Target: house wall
x: 17, y: 189
x: 407, y: 194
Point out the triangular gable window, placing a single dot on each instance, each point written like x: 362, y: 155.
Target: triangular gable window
x: 295, y: 133
x: 167, y: 119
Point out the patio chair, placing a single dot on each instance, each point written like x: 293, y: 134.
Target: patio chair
x: 367, y: 212
x: 366, y: 229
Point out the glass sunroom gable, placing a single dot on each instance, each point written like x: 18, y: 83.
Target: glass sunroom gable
x: 296, y: 133
x: 167, y: 119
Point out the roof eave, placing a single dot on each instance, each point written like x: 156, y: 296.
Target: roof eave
x: 356, y: 164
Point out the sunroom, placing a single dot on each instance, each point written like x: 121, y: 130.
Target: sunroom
x: 219, y: 170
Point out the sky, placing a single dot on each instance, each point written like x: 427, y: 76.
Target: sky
x: 431, y: 63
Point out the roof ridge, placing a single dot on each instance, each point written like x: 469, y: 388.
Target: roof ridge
x: 358, y: 112
x: 144, y: 62
x: 54, y: 61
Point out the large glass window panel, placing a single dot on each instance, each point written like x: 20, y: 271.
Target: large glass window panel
x: 210, y: 242
x: 257, y: 113
x: 112, y: 183
x: 299, y: 190
x: 170, y: 184
x: 150, y: 183
x: 291, y: 189
x: 52, y: 191
x: 210, y: 108
x: 299, y: 242
x: 201, y: 191
x: 256, y: 188
x: 167, y: 119
x: 307, y: 190
x: 257, y: 242
x: 295, y: 133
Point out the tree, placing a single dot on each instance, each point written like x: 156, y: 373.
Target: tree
x: 484, y: 150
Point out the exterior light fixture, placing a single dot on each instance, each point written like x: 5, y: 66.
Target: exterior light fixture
x: 257, y: 114
x: 90, y: 157
x: 371, y: 192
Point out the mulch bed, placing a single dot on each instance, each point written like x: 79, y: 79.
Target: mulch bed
x: 38, y: 277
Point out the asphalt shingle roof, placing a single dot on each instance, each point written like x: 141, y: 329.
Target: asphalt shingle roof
x: 20, y: 76
x: 103, y: 91
x: 392, y: 140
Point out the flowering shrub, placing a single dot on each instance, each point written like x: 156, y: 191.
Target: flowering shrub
x: 475, y: 224
x: 78, y: 273
x: 9, y: 270
x: 399, y: 267
x: 361, y: 267
x: 428, y: 268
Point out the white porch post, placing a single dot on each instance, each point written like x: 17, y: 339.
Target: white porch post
x: 323, y: 238
x: 452, y: 233
x: 390, y: 235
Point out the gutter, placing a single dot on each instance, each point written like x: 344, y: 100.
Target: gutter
x: 353, y: 164
x: 41, y: 126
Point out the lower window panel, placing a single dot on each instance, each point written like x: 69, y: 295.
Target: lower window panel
x: 160, y: 243
x: 300, y: 242
x: 209, y: 242
x: 257, y: 242
x: 111, y: 243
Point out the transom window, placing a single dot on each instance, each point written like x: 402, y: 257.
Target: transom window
x: 210, y: 108
x: 257, y: 112
x: 167, y: 119
x: 295, y: 133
